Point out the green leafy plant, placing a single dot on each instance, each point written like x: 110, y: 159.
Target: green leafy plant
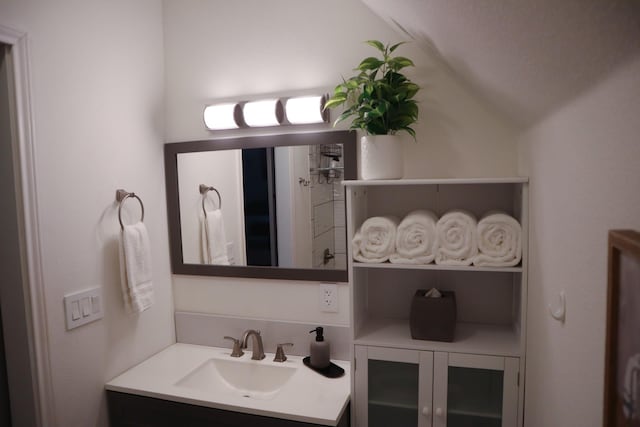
x: 379, y: 98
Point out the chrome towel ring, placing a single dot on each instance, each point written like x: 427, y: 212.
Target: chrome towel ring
x: 204, y: 189
x: 121, y: 196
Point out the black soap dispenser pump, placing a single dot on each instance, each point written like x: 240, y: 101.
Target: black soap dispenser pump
x: 319, y: 350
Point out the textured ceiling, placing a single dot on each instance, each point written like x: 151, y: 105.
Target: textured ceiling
x: 526, y: 57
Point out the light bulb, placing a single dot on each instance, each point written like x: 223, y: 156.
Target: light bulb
x: 263, y: 113
x: 305, y: 110
x: 221, y: 116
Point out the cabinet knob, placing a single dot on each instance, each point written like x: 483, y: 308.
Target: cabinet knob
x: 439, y: 412
x: 426, y: 411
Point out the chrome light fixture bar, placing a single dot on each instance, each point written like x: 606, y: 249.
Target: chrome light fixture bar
x: 267, y: 112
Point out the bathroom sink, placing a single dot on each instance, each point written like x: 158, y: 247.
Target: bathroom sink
x: 210, y: 378
x: 258, y: 380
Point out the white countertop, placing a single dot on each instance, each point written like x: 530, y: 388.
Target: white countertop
x: 307, y: 396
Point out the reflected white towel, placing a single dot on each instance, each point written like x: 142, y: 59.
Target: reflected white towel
x: 375, y: 241
x: 416, y: 241
x: 457, y: 242
x: 631, y: 389
x: 214, y: 240
x: 499, y: 241
x: 135, y: 268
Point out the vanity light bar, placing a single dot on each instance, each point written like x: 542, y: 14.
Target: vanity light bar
x: 269, y: 112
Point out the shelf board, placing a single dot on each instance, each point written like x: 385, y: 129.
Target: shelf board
x: 475, y: 414
x: 495, y: 340
x: 398, y: 405
x: 434, y: 181
x: 387, y: 265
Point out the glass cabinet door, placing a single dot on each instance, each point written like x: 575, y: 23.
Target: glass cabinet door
x: 475, y: 391
x: 474, y: 397
x: 389, y: 387
x: 393, y: 394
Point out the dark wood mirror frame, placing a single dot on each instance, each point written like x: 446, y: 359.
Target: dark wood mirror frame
x: 171, y: 151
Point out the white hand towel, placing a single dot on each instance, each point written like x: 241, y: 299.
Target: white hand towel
x: 214, y: 240
x: 375, y: 240
x: 457, y: 241
x: 135, y: 268
x: 416, y: 239
x: 499, y: 241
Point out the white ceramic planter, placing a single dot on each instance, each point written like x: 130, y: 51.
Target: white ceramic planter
x: 381, y: 157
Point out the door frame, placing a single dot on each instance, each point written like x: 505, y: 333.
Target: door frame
x: 22, y: 127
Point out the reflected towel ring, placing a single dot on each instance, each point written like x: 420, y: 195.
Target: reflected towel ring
x: 121, y: 196
x: 204, y: 189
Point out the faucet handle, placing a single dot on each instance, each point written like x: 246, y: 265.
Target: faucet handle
x: 280, y: 356
x: 237, y: 351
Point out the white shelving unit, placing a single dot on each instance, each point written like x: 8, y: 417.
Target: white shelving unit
x: 491, y: 302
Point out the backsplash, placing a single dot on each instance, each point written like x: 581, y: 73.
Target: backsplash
x: 206, y: 329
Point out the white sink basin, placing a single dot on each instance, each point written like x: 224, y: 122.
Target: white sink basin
x: 253, y: 379
x: 210, y: 377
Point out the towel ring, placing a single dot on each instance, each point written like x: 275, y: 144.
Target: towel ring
x: 204, y: 189
x: 121, y: 196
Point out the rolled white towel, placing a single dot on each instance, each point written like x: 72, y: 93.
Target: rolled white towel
x: 457, y: 241
x: 499, y: 241
x: 375, y: 240
x: 416, y: 239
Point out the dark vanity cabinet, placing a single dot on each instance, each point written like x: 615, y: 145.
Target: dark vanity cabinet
x: 129, y: 410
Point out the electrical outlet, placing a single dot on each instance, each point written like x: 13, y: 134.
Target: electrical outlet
x: 328, y: 298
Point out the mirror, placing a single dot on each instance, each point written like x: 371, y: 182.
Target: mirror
x: 276, y: 201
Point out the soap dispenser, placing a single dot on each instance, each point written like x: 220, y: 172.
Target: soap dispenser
x: 319, y: 350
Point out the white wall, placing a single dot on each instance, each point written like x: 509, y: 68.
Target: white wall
x: 216, y: 50
x: 222, y: 170
x: 97, y: 96
x: 584, y: 164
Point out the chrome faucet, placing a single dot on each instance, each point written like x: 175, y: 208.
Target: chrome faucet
x: 257, y: 347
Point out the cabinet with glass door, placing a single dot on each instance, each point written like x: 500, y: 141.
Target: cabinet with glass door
x: 476, y: 380
x: 409, y: 388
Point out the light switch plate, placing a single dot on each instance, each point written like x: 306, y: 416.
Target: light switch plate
x: 83, y: 307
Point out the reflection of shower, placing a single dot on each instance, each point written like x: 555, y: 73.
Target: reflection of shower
x: 327, y: 256
x: 329, y: 164
x: 631, y: 394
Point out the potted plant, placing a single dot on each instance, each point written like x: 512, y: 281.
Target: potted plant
x: 380, y: 101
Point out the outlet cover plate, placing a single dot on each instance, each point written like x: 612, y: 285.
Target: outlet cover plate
x: 328, y: 298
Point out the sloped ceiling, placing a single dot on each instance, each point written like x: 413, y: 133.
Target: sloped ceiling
x: 526, y: 57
